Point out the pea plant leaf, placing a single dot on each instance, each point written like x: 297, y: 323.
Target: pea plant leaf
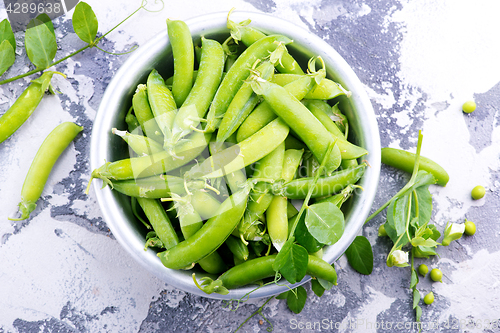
x: 422, y: 204
x: 325, y: 222
x: 7, y: 34
x: 304, y: 237
x: 414, y: 279
x: 292, y: 261
x: 41, y: 45
x: 85, y: 22
x: 297, y: 300
x: 7, y: 56
x: 416, y: 298
x: 328, y: 284
x: 283, y: 295
x: 317, y: 288
x: 360, y: 255
x: 47, y: 21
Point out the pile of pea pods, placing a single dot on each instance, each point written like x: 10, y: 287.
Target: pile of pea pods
x: 223, y: 151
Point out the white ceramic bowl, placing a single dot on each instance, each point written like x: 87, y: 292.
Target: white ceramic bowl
x: 157, y: 54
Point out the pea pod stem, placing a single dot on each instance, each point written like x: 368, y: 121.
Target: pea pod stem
x: 48, y: 153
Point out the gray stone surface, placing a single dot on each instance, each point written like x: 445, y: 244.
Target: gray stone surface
x: 62, y: 271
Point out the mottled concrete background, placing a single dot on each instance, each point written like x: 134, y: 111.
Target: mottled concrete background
x: 62, y: 270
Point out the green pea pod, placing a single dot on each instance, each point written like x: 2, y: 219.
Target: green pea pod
x: 244, y: 101
x: 347, y: 149
x: 269, y: 167
x: 263, y: 113
x: 24, y: 106
x: 162, y: 104
x: 346, y: 164
x: 237, y: 73
x: 141, y: 145
x: 198, y: 101
x: 205, y: 204
x: 48, y: 153
x: 249, y: 35
x: 261, y: 268
x: 234, y: 179
x: 405, y: 161
x: 326, y: 185
x: 213, y: 233
x: 190, y: 222
x: 155, y: 187
x: 276, y: 214
x: 131, y: 120
x: 144, y: 114
x: 238, y: 248
x: 326, y: 89
x: 159, y: 221
x: 297, y: 116
x: 245, y: 153
x: 183, y: 52
x: 159, y: 163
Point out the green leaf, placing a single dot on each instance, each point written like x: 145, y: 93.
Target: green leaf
x: 7, y: 56
x: 397, y: 214
x: 423, y: 201
x: 414, y: 278
x: 360, y: 255
x: 304, y: 237
x: 325, y: 222
x: 47, y: 21
x: 41, y: 45
x: 418, y: 313
x: 327, y: 284
x: 296, y: 302
x: 7, y: 34
x: 419, y: 241
x: 291, y: 262
x: 416, y: 298
x: 283, y: 295
x: 435, y: 232
x: 424, y: 252
x: 85, y: 22
x: 317, y: 288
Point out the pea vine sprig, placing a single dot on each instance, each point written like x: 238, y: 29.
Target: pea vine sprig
x: 409, y: 225
x: 41, y: 43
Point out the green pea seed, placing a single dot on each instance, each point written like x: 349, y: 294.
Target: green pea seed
x: 423, y: 269
x: 477, y: 192
x: 381, y: 231
x: 469, y: 106
x: 429, y: 298
x: 470, y: 228
x: 436, y: 275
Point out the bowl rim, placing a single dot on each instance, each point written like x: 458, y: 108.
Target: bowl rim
x: 202, y: 25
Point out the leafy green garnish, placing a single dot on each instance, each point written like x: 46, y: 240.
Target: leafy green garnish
x: 325, y: 222
x: 360, y: 255
x: 85, y: 22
